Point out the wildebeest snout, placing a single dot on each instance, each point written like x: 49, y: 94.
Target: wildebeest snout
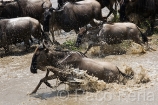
x: 33, y: 69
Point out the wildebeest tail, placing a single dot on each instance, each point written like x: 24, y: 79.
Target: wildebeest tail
x: 125, y: 75
x: 144, y: 37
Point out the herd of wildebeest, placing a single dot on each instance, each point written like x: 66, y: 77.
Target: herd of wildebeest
x: 23, y: 19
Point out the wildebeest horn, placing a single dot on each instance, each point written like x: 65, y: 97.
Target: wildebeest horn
x: 51, y: 9
x: 59, y: 10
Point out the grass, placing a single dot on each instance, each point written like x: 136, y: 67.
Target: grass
x: 70, y: 44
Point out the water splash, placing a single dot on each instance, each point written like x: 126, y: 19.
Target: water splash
x: 127, y: 47
x: 81, y: 80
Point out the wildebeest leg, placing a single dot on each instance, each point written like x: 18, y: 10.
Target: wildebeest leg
x: 79, y: 37
x: 152, y: 21
x: 46, y: 36
x: 111, y: 11
x: 89, y: 47
x: 150, y: 29
x: 138, y: 41
x: 110, y: 7
x: 31, y: 40
x: 93, y: 24
x: 122, y: 13
x: 27, y: 44
x: 45, y: 81
x: 6, y: 48
x: 53, y: 38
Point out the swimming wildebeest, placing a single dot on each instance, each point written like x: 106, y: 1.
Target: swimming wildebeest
x: 101, y: 69
x: 146, y: 9
x: 47, y: 59
x: 72, y: 16
x: 23, y: 8
x: 17, y: 30
x: 115, y: 33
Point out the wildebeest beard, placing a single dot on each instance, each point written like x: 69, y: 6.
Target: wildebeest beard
x: 33, y: 67
x: 47, y: 15
x: 46, y: 24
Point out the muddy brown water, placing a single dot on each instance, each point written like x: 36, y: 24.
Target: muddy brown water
x: 16, y: 82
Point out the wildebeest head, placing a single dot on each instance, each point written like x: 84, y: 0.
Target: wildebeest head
x: 49, y: 16
x: 90, y: 35
x: 46, y: 55
x: 40, y: 58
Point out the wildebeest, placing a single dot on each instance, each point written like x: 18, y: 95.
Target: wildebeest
x: 17, y: 30
x: 108, y: 3
x: 144, y: 8
x: 72, y: 16
x: 115, y: 33
x: 101, y: 69
x: 23, y: 8
x: 47, y: 59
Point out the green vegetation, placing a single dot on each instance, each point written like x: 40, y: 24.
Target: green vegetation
x: 70, y: 44
x: 116, y: 19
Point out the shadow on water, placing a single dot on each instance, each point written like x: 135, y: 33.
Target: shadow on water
x: 57, y: 94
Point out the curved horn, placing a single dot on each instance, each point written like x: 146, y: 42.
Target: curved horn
x: 51, y: 9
